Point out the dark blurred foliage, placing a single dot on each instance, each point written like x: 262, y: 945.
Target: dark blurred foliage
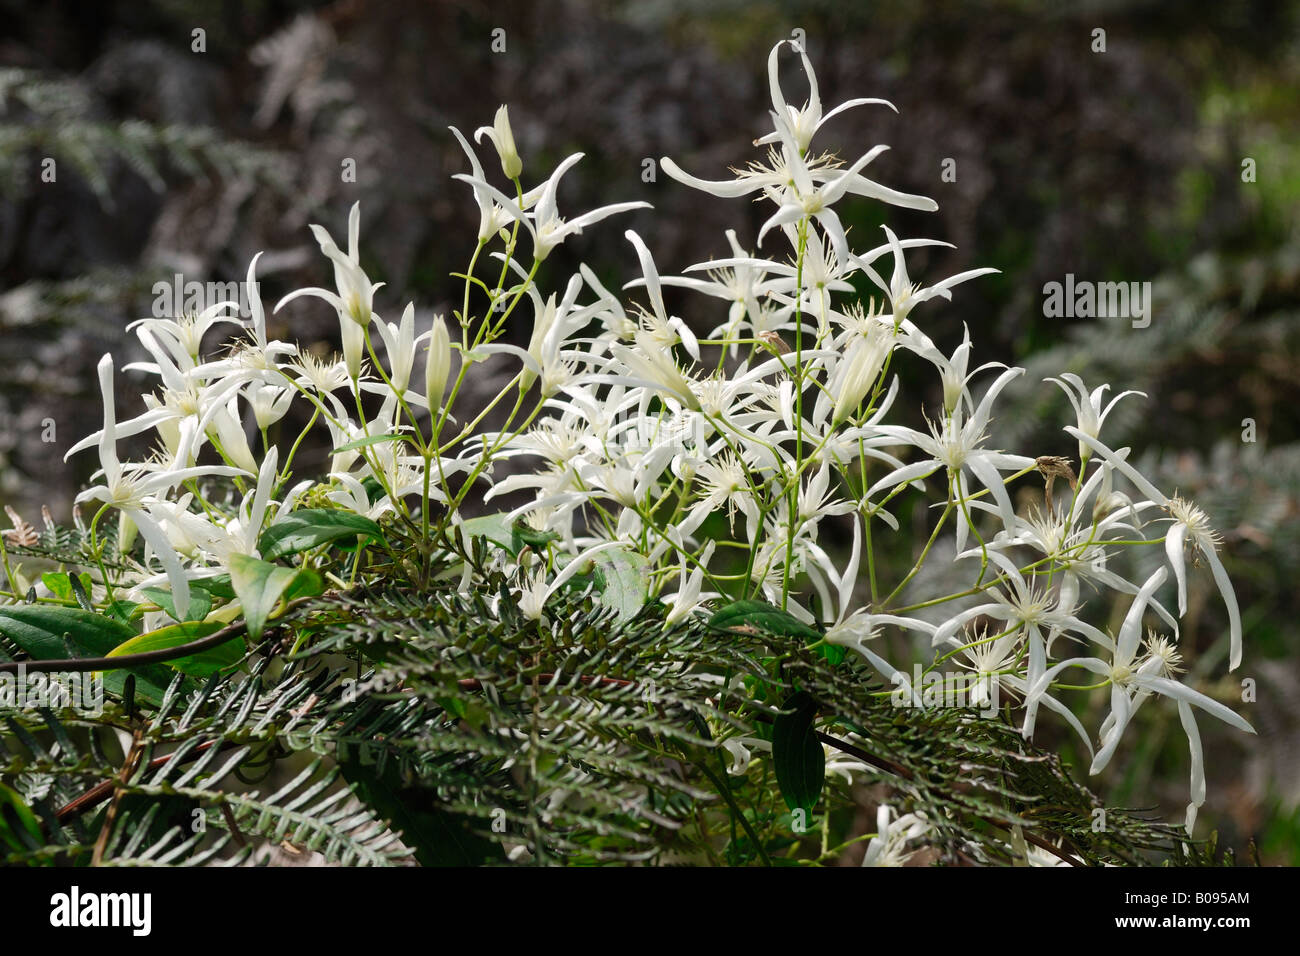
x: 1122, y: 166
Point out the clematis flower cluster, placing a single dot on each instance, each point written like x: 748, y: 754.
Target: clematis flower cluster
x: 709, y: 450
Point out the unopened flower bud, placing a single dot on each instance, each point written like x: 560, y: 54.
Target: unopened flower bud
x: 503, y: 138
x: 437, y: 364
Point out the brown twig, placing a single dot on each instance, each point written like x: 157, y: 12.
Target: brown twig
x: 101, y: 791
x: 117, y: 783
x: 473, y: 683
x: 234, y: 826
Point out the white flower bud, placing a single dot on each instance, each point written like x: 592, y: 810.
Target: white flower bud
x: 503, y: 138
x: 437, y: 365
x: 858, y: 372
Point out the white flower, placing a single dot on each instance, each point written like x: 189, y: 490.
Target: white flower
x: 792, y: 182
x: 226, y: 429
x: 855, y: 628
x: 952, y: 369
x: 1133, y: 680
x: 1074, y: 542
x: 131, y: 489
x: 892, y: 843
x: 800, y: 125
x: 503, y: 138
x: 665, y: 329
x: 688, y: 597
x: 183, y: 335
x: 904, y: 295
x: 811, y: 196
x: 183, y: 411
x: 322, y: 375
x: 544, y: 223
x: 536, y: 591
x: 856, y: 373
x: 355, y: 296
x: 268, y: 402
x: 1088, y: 406
x: 239, y: 535
x: 264, y: 352
x: 400, y: 342
x: 1190, y: 531
x: 739, y: 280
x: 721, y: 481
x: 553, y: 324
x: 493, y: 217
x: 955, y: 444
x: 650, y: 366
x: 1023, y: 606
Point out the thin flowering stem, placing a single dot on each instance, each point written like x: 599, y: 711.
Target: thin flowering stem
x: 401, y: 398
x: 798, y: 408
x: 98, y: 550
x: 286, y: 470
x: 925, y: 553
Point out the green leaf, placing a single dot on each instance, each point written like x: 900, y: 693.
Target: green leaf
x: 797, y: 754
x: 125, y: 611
x: 260, y: 586
x: 622, y: 576
x: 200, y: 602
x: 750, y: 615
x: 202, y: 664
x: 39, y: 629
x: 306, y: 583
x: 834, y: 653
x: 364, y: 442
x: 19, y: 828
x: 496, y: 528
x: 521, y: 534
x: 80, y: 589
x: 60, y: 584
x: 217, y: 587
x: 310, y: 527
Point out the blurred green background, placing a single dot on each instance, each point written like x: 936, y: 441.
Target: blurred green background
x: 1128, y: 165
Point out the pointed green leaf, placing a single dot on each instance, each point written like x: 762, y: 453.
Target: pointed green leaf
x: 124, y: 611
x: 496, y: 528
x: 19, y: 828
x: 364, y: 442
x: 622, y: 578
x: 200, y: 602
x: 60, y: 584
x: 39, y: 629
x: 306, y: 583
x: 521, y: 534
x: 797, y: 754
x: 217, y: 586
x: 760, y: 616
x: 201, y: 664
x: 260, y: 586
x: 310, y: 527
